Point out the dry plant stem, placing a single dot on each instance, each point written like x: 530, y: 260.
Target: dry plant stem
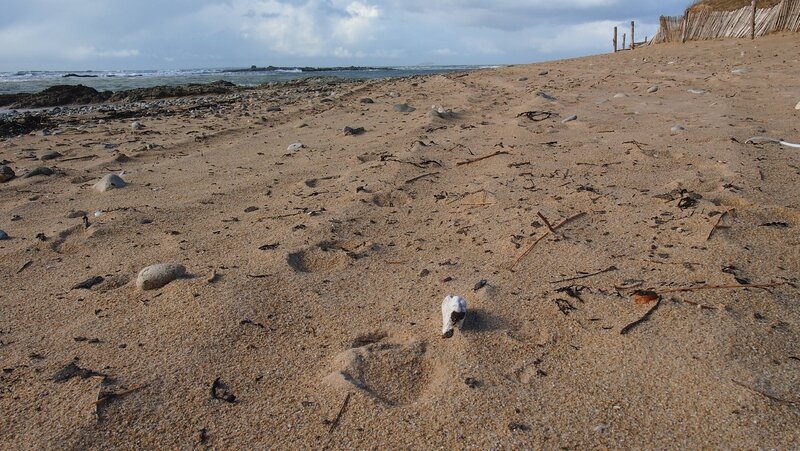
x: 530, y: 248
x: 642, y: 319
x: 430, y: 174
x: 721, y: 287
x: 475, y: 160
x: 336, y: 420
x: 546, y: 222
x: 716, y: 224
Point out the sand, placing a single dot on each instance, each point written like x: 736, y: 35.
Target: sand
x: 310, y: 315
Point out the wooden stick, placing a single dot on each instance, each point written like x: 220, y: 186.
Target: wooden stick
x: 475, y: 160
x: 633, y: 40
x: 530, y: 248
x: 87, y: 157
x: 336, y: 420
x: 585, y: 276
x: 615, y: 40
x: 716, y: 224
x: 643, y: 318
x: 753, y: 20
x: 721, y: 287
x: 546, y: 222
x: 421, y: 177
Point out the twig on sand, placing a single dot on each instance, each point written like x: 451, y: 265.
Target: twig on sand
x: 716, y: 224
x: 642, y: 319
x: 429, y: 174
x: 475, y: 160
x: 767, y: 395
x: 556, y: 227
x: 722, y: 287
x: 584, y: 276
x: 336, y: 420
x: 546, y: 222
x: 87, y: 157
x: 24, y: 266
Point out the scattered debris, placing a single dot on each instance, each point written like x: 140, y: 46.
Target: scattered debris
x: 537, y: 116
x: 642, y: 297
x: 642, y: 319
x: 89, y: 283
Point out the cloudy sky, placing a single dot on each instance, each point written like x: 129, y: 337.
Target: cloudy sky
x: 173, y: 34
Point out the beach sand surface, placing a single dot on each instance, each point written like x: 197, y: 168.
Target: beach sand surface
x: 310, y: 313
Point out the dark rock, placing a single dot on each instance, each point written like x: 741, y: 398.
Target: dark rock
x: 51, y: 156
x: 353, y: 131
x: 42, y: 170
x: 366, y: 100
x: 404, y: 108
x: 89, y: 283
x: 6, y: 174
x: 21, y: 125
x: 55, y: 96
x: 4, y: 236
x: 273, y: 109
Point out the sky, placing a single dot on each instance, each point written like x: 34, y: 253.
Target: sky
x: 183, y: 34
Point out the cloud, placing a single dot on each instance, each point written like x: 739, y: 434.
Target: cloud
x: 312, y: 28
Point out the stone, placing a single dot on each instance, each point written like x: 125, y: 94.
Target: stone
x: 543, y: 72
x: 677, y: 128
x: 570, y: 119
x: 404, y: 108
x: 156, y: 276
x: 50, y: 156
x: 353, y: 131
x: 274, y: 109
x: 109, y: 182
x: 6, y: 174
x: 366, y: 100
x: 546, y: 96
x: 620, y: 95
x: 797, y: 107
x: 4, y: 236
x: 522, y: 79
x: 295, y: 147
x: 301, y: 125
x: 696, y: 91
x: 42, y: 170
x: 137, y: 125
x: 652, y: 89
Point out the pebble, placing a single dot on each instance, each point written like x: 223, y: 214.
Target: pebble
x: 156, y: 276
x: 42, y: 170
x: 273, y: 109
x: 367, y: 100
x: 6, y: 174
x: 739, y: 71
x: 110, y: 181
x: 295, y: 147
x: 394, y: 94
x: 546, y: 96
x: 51, y: 156
x: 404, y: 108
x: 696, y: 91
x: 797, y: 107
x: 570, y: 119
x: 301, y: 125
x: 348, y: 131
x: 652, y: 89
x: 678, y: 128
x: 522, y: 79
x: 620, y: 95
x: 137, y: 125
x: 4, y: 236
x: 543, y: 72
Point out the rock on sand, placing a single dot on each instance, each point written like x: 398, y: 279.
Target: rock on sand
x: 108, y: 182
x: 156, y: 276
x: 3, y: 235
x: 295, y: 147
x: 6, y: 174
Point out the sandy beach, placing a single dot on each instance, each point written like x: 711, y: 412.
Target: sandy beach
x: 309, y: 316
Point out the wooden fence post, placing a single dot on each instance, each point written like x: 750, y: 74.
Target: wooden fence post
x: 633, y: 40
x: 615, y: 39
x: 753, y: 21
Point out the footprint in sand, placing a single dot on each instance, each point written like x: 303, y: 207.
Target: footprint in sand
x: 391, y: 370
x: 317, y: 259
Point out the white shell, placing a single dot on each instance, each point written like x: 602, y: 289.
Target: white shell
x: 453, y: 308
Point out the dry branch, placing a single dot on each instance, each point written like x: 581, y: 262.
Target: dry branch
x: 530, y: 248
x: 475, y: 160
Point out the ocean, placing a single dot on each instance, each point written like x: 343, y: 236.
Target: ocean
x: 35, y: 81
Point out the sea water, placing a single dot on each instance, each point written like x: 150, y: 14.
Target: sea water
x: 35, y: 81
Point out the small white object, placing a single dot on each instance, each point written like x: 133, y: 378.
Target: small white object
x: 574, y: 117
x: 797, y: 107
x: 295, y: 147
x: 652, y: 89
x: 98, y: 213
x: 137, y: 125
x: 697, y: 91
x: 454, y: 310
x: 677, y: 128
